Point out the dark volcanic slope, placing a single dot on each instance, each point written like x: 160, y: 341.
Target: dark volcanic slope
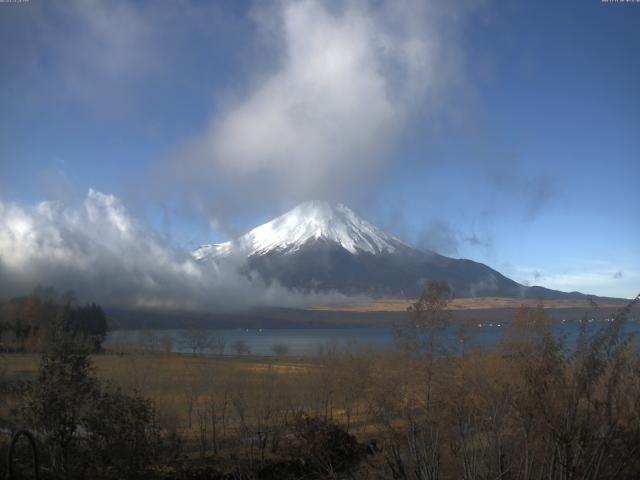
x: 323, y: 265
x: 325, y: 247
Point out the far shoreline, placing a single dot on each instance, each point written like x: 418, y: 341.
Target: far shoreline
x: 378, y: 313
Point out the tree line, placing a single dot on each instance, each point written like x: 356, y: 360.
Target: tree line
x: 27, y: 322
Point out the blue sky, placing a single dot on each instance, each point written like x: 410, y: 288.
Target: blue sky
x: 504, y: 132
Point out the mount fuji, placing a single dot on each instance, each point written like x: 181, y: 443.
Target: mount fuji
x: 321, y: 246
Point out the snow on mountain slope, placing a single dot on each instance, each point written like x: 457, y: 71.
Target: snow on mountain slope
x: 314, y: 220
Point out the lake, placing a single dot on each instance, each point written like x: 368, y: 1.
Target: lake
x: 311, y: 341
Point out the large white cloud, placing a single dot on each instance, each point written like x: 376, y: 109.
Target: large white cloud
x: 103, y: 254
x: 342, y: 83
x: 323, y: 90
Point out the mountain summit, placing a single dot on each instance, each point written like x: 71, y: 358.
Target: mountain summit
x: 311, y: 221
x: 320, y: 246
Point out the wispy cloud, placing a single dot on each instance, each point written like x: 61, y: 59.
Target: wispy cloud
x: 445, y: 238
x: 441, y: 237
x: 533, y: 192
x: 102, y: 54
x: 604, y: 279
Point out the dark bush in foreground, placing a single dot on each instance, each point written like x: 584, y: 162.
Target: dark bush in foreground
x: 323, y: 447
x: 315, y: 449
x: 122, y: 437
x: 85, y: 429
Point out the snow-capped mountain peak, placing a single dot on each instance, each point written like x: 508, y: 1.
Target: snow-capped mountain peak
x: 313, y: 220
x: 319, y: 246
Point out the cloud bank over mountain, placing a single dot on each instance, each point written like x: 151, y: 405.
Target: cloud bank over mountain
x: 98, y: 250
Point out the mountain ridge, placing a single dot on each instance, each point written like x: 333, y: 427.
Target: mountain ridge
x: 320, y: 246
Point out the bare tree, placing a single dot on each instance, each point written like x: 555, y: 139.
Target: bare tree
x: 166, y: 344
x: 280, y: 349
x: 419, y: 335
x: 217, y: 343
x: 149, y: 340
x: 241, y: 347
x: 196, y: 339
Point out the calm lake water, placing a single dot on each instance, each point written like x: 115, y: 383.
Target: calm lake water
x: 311, y: 341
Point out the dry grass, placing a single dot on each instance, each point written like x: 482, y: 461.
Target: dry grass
x: 175, y: 381
x: 400, y: 305
x: 168, y: 369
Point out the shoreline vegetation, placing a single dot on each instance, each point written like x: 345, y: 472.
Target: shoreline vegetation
x: 524, y: 410
x: 348, y: 317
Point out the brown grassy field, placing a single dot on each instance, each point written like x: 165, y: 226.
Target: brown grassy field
x: 178, y: 384
x: 400, y: 305
x: 167, y: 367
